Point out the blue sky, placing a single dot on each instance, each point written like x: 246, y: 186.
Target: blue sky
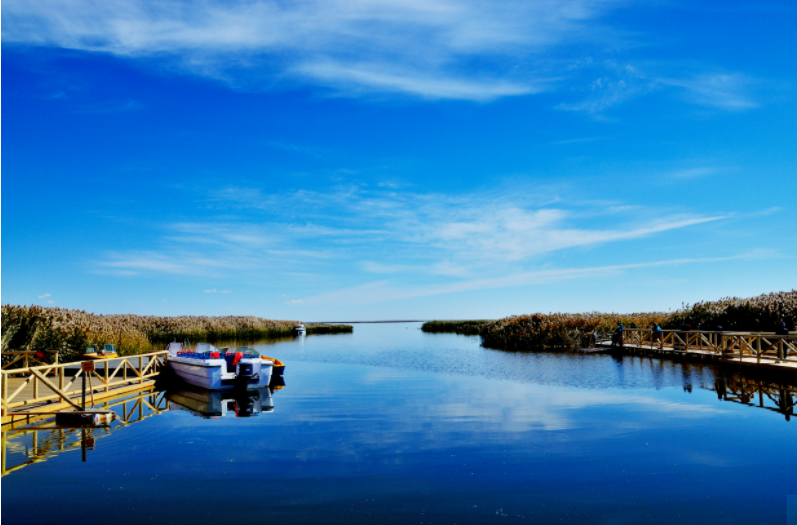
x: 347, y: 160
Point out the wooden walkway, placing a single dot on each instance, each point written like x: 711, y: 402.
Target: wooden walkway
x: 744, y: 349
x: 50, y: 388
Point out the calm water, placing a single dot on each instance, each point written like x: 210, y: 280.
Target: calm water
x: 391, y: 425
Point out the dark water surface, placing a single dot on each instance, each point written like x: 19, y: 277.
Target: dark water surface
x: 392, y: 425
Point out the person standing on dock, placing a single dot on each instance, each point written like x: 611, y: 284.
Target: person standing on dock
x: 720, y: 340
x: 685, y: 335
x: 617, y: 337
x: 657, y: 335
x: 782, y: 330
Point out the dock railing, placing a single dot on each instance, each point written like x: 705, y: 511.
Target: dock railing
x: 729, y: 345
x: 22, y: 358
x: 59, y: 381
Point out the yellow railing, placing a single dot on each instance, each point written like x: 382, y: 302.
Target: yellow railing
x: 47, y: 383
x: 758, y: 345
x: 24, y: 357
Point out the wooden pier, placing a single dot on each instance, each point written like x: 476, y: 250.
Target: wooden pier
x: 32, y: 390
x: 744, y: 349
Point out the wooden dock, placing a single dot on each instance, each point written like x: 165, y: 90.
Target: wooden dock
x: 30, y: 390
x: 763, y: 351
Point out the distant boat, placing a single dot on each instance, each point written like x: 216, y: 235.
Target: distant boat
x: 300, y: 329
x: 208, y: 367
x: 93, y: 352
x: 211, y: 404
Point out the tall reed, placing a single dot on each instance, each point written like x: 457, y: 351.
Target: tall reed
x: 70, y: 331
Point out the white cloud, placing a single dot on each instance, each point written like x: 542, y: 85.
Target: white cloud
x: 728, y: 91
x: 294, y: 301
x: 44, y: 296
x: 620, y: 83
x: 385, y: 231
x: 50, y: 302
x: 224, y: 291
x: 385, y: 291
x: 210, y: 291
x: 419, y: 48
x: 693, y: 173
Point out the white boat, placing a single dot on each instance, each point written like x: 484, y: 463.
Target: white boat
x: 300, y: 329
x: 215, y: 404
x: 208, y: 367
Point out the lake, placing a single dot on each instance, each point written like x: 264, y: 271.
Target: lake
x: 393, y: 425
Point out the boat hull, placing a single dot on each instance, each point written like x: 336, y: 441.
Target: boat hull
x: 211, y: 374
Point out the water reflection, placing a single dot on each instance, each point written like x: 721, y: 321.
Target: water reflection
x: 774, y: 396
x: 214, y: 404
x: 39, y: 438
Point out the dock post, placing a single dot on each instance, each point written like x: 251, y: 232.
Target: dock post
x: 83, y: 401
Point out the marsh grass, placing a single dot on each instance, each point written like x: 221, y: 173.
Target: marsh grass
x: 320, y: 328
x: 456, y: 327
x: 70, y: 331
x: 539, y: 331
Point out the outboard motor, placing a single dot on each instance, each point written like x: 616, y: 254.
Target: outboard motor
x: 249, y: 369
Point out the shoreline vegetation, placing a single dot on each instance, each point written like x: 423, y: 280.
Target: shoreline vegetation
x: 70, y: 331
x: 555, y: 330
x: 455, y: 327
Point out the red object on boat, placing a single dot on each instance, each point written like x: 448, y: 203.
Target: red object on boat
x: 238, y: 356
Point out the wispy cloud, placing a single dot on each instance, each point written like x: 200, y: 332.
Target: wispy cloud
x: 384, y: 231
x: 44, y: 296
x: 450, y: 49
x: 693, y: 173
x: 384, y: 291
x: 727, y: 91
x: 618, y: 83
x: 294, y: 302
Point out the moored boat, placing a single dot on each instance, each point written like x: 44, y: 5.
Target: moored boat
x: 300, y: 329
x: 208, y: 367
x: 93, y: 352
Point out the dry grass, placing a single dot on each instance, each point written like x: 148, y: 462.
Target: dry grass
x: 455, y: 327
x: 69, y: 331
x: 537, y: 331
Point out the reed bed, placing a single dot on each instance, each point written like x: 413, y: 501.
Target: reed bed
x: 70, y: 331
x: 538, y: 331
x: 320, y: 328
x: 456, y: 327
x: 761, y: 314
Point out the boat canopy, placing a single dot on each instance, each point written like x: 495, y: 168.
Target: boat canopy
x: 109, y: 349
x: 201, y: 348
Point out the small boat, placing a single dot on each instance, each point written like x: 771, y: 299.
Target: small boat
x: 279, y: 366
x: 300, y: 329
x: 210, y: 404
x: 208, y: 367
x: 92, y: 352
